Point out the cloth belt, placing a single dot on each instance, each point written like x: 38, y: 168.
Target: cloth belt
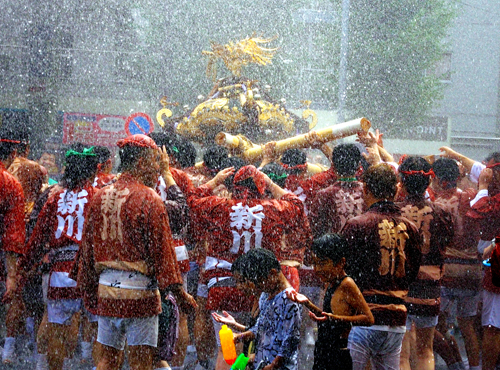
x: 225, y: 281
x: 127, y: 280
x: 212, y: 263
x: 459, y: 261
x: 382, y: 299
x: 64, y: 254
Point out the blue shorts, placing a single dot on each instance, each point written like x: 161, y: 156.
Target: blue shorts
x: 421, y: 322
x: 60, y: 311
x: 137, y: 331
x: 459, y: 302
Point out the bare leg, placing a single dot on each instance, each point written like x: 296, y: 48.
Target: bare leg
x: 182, y: 341
x: 204, y: 332
x: 140, y: 357
x: 15, y: 317
x: 491, y: 347
x: 160, y: 364
x: 97, y: 352
x: 444, y: 348
x: 221, y: 364
x: 466, y: 325
x: 111, y: 358
x: 425, y: 354
x: 406, y: 349
x: 41, y: 337
x: 62, y: 342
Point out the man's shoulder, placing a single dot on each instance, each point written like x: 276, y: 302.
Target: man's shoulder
x: 372, y: 216
x: 147, y: 195
x: 365, y: 218
x: 441, y: 210
x: 329, y: 174
x: 281, y: 203
x: 21, y: 161
x: 134, y: 190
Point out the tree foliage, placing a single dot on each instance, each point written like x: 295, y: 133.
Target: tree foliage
x: 394, y: 47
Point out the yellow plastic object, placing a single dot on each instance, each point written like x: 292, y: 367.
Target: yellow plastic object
x: 227, y: 344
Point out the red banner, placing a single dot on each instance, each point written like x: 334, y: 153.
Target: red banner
x: 93, y: 129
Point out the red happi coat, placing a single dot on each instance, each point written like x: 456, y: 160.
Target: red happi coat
x: 487, y: 212
x: 306, y: 188
x: 462, y: 267
x: 230, y: 227
x: 128, y: 230
x: 334, y: 206
x: 384, y: 258
x: 12, y: 226
x: 435, y: 225
x: 59, y: 226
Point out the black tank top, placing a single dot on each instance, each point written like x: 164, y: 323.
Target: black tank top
x: 330, y: 339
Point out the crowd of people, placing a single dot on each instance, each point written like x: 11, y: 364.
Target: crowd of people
x: 136, y: 258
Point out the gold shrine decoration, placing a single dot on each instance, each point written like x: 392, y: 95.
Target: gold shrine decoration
x: 159, y: 116
x: 164, y: 111
x: 217, y: 113
x: 236, y: 55
x: 309, y: 113
x: 251, y: 152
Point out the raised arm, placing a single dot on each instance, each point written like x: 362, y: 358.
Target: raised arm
x: 275, y: 190
x: 315, y: 142
x: 450, y: 153
x: 269, y: 155
x: 220, y: 177
x: 295, y: 296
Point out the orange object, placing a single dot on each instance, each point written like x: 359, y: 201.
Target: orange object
x: 227, y: 344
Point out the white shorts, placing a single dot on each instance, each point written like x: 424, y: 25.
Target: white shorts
x: 459, y: 302
x: 491, y: 309
x: 61, y: 311
x: 202, y: 291
x: 137, y: 331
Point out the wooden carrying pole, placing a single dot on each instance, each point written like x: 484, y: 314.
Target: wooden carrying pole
x: 253, y: 153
